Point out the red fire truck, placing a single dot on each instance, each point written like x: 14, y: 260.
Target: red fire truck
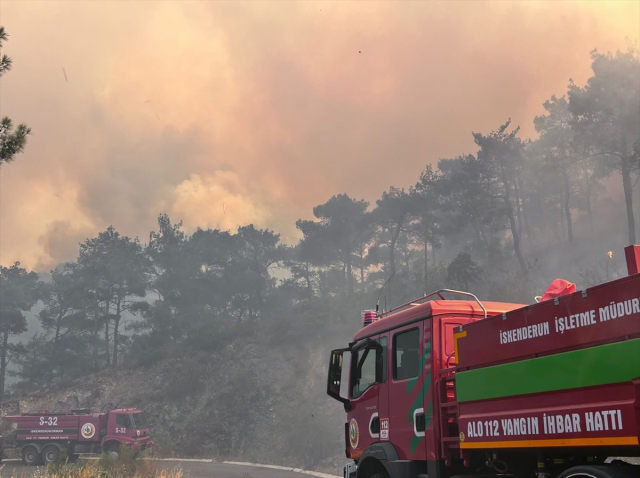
x: 43, y: 436
x: 462, y: 388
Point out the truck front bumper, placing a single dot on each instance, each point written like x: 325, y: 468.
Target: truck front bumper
x: 142, y: 445
x: 350, y: 470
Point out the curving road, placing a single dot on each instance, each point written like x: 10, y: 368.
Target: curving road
x: 191, y: 469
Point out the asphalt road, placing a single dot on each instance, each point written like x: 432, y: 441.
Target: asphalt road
x: 191, y: 469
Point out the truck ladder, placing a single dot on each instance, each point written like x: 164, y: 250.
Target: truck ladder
x: 449, y: 432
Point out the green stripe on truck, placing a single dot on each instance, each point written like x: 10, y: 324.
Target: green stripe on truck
x: 601, y: 365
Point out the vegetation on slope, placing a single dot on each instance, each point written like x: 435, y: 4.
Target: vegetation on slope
x: 225, y: 331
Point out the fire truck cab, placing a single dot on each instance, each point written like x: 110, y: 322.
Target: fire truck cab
x: 398, y: 364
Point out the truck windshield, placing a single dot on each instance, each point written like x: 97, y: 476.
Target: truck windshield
x: 140, y: 421
x: 364, y: 371
x: 123, y: 420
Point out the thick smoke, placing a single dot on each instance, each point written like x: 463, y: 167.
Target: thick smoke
x: 227, y: 113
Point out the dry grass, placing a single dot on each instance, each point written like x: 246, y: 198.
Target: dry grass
x: 126, y: 467
x: 98, y: 469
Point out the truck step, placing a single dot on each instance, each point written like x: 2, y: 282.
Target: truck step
x: 450, y: 439
x: 449, y: 404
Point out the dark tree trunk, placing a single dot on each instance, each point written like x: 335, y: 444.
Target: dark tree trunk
x: 260, y: 302
x: 94, y: 352
x: 307, y: 277
x: 107, y: 342
x: 588, y: 194
x: 116, y: 341
x: 106, y: 334
x: 54, y: 359
x: 628, y: 198
x: 426, y: 260
x: 518, y: 208
x: 392, y: 257
x: 349, y: 273
x: 485, y: 241
x: 567, y: 209
x: 3, y: 362
x: 514, y: 231
x: 516, y: 244
x: 116, y: 334
x: 433, y: 254
x: 527, y: 227
x: 392, y: 260
x: 480, y: 238
x: 476, y: 234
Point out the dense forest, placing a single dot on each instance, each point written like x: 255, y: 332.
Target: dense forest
x: 502, y: 222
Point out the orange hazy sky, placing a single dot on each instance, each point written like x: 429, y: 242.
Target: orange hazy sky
x: 222, y: 114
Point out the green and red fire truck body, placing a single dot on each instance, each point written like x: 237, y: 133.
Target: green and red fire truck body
x: 42, y: 437
x: 444, y: 388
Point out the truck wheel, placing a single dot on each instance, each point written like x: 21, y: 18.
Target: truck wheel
x: 113, y: 452
x: 600, y: 472
x: 30, y: 456
x: 73, y: 457
x: 50, y: 454
x: 380, y: 475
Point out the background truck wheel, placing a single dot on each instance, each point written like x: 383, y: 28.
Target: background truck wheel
x: 113, y: 451
x: 72, y: 457
x: 30, y: 456
x: 50, y: 454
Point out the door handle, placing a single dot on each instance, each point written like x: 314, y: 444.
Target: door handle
x: 419, y: 422
x: 375, y: 425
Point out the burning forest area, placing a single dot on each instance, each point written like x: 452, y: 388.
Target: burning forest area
x: 199, y: 200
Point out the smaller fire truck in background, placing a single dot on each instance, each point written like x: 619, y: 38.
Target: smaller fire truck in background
x: 43, y: 436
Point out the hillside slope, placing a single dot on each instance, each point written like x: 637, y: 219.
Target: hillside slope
x: 246, y: 401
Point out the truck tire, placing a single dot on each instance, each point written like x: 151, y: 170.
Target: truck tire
x: 50, y: 454
x: 30, y: 456
x: 600, y: 472
x: 113, y: 451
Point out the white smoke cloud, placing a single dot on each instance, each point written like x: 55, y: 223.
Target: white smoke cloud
x: 270, y: 107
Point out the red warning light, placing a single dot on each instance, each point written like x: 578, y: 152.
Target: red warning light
x: 368, y: 317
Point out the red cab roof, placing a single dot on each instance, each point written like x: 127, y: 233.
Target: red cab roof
x: 433, y: 308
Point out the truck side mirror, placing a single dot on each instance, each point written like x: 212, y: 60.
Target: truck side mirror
x: 335, y: 376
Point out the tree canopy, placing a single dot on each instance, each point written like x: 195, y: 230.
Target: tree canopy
x: 484, y: 221
x: 12, y: 141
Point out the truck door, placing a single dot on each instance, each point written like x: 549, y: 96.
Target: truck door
x: 407, y: 391
x: 367, y: 380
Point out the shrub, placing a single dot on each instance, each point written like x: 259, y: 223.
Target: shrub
x: 126, y: 467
